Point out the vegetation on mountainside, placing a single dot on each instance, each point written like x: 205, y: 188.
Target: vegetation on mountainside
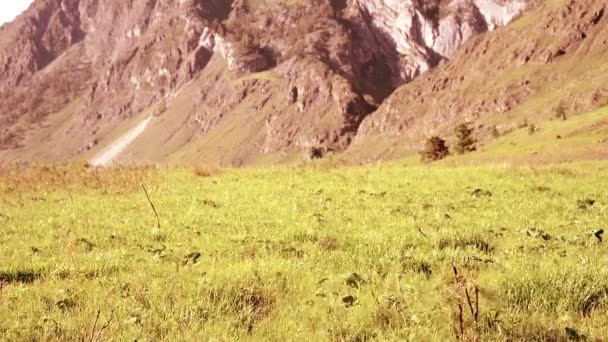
x: 435, y: 149
x: 314, y: 253
x: 256, y: 30
x: 465, y: 141
x: 560, y: 111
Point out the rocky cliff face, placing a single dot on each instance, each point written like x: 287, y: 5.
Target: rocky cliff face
x: 312, y: 71
x: 37, y: 38
x: 413, y: 36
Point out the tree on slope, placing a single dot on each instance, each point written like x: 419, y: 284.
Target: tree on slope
x: 465, y: 141
x: 434, y: 149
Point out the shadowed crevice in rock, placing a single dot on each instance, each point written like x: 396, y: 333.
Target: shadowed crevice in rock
x: 215, y: 9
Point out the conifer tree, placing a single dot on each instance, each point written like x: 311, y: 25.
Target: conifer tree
x: 465, y: 141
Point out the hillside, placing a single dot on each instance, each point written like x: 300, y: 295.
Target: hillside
x: 517, y: 76
x: 250, y: 82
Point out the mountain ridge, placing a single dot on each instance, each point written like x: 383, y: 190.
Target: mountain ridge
x: 264, y: 80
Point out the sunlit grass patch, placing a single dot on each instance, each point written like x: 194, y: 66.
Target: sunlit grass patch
x: 557, y: 289
x: 304, y: 253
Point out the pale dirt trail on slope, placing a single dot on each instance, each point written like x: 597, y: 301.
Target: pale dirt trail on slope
x: 106, y: 156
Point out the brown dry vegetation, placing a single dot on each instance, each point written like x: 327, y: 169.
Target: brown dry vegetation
x: 205, y: 170
x: 39, y: 178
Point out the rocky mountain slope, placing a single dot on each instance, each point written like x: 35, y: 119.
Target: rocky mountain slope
x: 556, y: 56
x: 248, y: 81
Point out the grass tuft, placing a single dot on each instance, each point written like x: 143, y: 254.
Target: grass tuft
x: 205, y: 171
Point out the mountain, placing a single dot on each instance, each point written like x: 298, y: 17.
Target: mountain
x: 553, y: 57
x: 259, y: 81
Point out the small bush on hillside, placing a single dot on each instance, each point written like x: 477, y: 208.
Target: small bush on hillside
x: 434, y: 149
x: 465, y: 142
x: 523, y: 124
x: 495, y: 132
x: 315, y: 152
x: 532, y: 129
x: 600, y: 98
x: 203, y: 170
x: 560, y: 111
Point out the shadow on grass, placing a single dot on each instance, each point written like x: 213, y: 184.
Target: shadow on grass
x: 24, y: 277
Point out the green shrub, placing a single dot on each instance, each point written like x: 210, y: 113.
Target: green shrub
x: 434, y: 149
x: 465, y: 142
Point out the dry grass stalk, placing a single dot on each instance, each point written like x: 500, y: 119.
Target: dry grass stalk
x: 96, y: 335
x: 152, y: 205
x: 463, y: 295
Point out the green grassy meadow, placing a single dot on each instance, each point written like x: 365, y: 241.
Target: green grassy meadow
x: 305, y: 253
